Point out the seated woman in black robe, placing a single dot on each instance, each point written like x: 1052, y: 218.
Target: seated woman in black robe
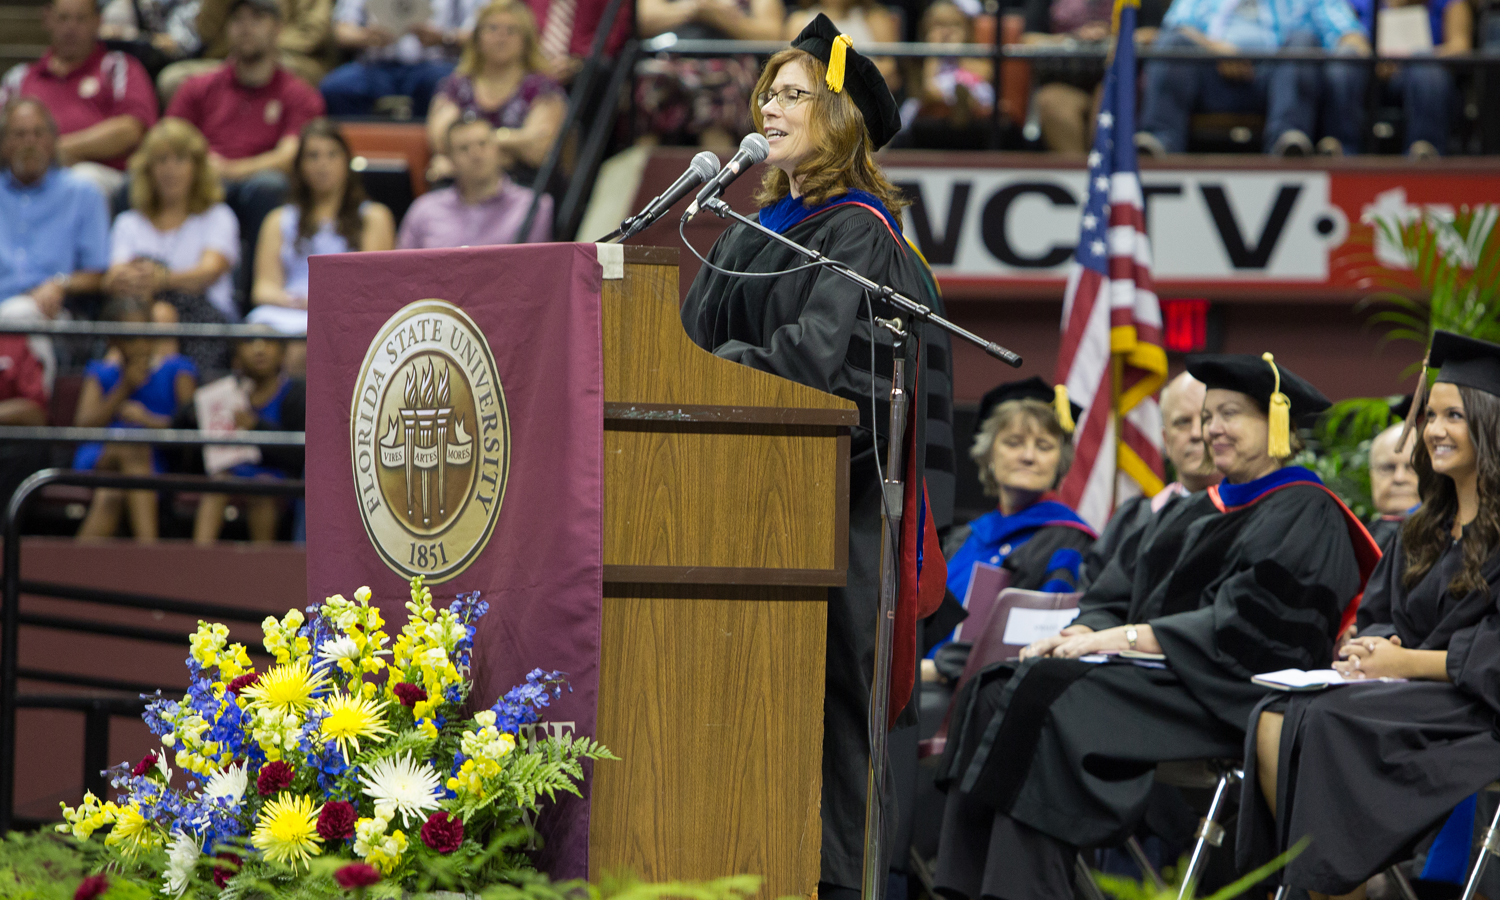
x: 1369, y: 770
x: 824, y: 109
x: 1253, y: 575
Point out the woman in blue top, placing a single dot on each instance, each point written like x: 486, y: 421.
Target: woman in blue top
x: 131, y: 387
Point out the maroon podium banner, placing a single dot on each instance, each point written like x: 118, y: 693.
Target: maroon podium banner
x: 455, y: 431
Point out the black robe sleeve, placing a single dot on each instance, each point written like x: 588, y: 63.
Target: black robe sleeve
x: 1122, y: 532
x: 1375, y: 617
x: 1028, y: 563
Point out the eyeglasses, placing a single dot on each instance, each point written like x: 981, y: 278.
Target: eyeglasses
x: 786, y: 98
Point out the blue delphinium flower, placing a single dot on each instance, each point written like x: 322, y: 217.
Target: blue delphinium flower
x: 521, y: 704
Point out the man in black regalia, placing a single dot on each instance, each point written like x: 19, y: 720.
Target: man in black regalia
x: 1253, y: 575
x: 824, y: 109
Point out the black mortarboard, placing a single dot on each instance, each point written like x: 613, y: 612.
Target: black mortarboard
x: 848, y: 70
x: 1283, y: 394
x: 1401, y: 406
x: 1466, y: 362
x: 1032, y: 388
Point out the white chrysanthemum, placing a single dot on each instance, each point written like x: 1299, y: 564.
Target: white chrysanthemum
x: 342, y: 647
x: 182, y: 857
x: 228, y: 784
x: 410, y: 788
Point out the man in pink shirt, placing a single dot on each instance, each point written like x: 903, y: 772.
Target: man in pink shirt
x: 482, y: 207
x: 250, y: 110
x: 101, y: 99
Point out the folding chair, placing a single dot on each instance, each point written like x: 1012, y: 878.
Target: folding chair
x: 1218, y: 774
x: 1487, y: 847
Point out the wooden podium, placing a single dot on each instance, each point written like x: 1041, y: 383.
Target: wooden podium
x: 725, y: 522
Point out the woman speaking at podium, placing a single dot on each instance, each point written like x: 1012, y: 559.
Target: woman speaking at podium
x: 825, y: 109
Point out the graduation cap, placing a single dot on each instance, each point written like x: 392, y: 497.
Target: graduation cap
x: 1033, y: 388
x: 1464, y: 361
x: 848, y: 70
x: 1281, y: 392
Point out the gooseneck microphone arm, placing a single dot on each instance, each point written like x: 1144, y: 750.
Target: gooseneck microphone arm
x: 905, y: 304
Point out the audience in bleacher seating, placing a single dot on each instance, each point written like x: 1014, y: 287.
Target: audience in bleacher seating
x: 951, y: 100
x: 1183, y: 446
x: 407, y: 65
x: 568, y: 29
x: 250, y: 111
x: 101, y: 99
x: 1369, y: 771
x: 274, y: 401
x: 177, y: 244
x: 1287, y: 92
x: 305, y: 42
x: 864, y: 21
x: 482, y: 206
x: 54, y: 227
x: 1056, y: 753
x: 328, y: 213
x: 1393, y: 482
x: 501, y: 78
x: 23, y: 401
x: 134, y: 385
x: 1067, y: 94
x: 701, y: 100
x: 156, y: 32
x: 1425, y: 92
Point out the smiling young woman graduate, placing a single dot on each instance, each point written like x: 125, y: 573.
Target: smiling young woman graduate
x: 1369, y: 770
x: 1253, y: 575
x: 825, y: 109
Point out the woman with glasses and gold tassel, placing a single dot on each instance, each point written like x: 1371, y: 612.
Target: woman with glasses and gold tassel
x: 825, y: 109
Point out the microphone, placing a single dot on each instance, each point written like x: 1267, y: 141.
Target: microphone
x: 753, y: 149
x: 703, y: 167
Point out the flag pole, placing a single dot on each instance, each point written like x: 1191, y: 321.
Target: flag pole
x: 1116, y: 388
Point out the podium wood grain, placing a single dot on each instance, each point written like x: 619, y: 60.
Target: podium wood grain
x: 725, y: 521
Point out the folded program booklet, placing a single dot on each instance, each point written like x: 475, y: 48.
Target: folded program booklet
x: 1313, y: 680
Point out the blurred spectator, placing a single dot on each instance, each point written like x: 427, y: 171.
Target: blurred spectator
x: 305, y: 42
x: 1286, y: 91
x: 954, y: 98
x: 865, y: 22
x: 177, y: 243
x: 683, y: 100
x: 277, y: 402
x: 1067, y: 95
x: 249, y: 110
x: 101, y: 99
x: 133, y: 386
x: 54, y: 226
x: 568, y: 28
x: 156, y: 32
x: 1425, y: 91
x: 328, y: 213
x: 23, y: 401
x: 482, y: 207
x: 407, y: 64
x: 500, y: 78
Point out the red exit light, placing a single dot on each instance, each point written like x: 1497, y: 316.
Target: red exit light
x: 1185, y: 324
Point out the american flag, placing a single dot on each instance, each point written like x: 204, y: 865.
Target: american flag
x: 1112, y: 359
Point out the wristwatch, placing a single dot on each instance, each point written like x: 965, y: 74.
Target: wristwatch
x: 1131, y: 635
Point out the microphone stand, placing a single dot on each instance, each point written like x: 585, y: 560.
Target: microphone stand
x: 874, y: 875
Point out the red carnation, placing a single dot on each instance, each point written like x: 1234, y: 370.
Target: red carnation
x: 336, y: 821
x: 222, y: 874
x: 273, y: 777
x: 92, y: 886
x: 145, y: 765
x: 242, y: 682
x: 442, y: 832
x: 356, y: 875
x: 409, y: 694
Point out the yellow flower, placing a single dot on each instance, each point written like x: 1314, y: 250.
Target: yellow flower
x: 351, y: 718
x: 287, y: 688
x: 132, y: 833
x: 288, y: 830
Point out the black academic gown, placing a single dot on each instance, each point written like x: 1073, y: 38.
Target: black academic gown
x: 1053, y: 754
x: 1370, y: 769
x: 1384, y: 529
x: 813, y: 327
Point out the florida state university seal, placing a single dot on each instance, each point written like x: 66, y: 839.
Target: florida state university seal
x: 429, y: 441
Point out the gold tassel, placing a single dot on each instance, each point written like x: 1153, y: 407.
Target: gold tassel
x: 1064, y: 408
x: 1279, y: 442
x: 836, y: 59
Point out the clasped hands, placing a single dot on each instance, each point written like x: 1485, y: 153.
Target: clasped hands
x: 1372, y: 657
x: 1081, y: 640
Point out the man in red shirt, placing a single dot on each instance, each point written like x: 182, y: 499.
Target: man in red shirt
x: 102, y: 99
x: 250, y: 110
x: 23, y: 401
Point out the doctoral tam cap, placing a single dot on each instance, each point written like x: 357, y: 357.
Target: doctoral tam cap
x: 1033, y: 388
x: 1285, y: 396
x: 850, y: 71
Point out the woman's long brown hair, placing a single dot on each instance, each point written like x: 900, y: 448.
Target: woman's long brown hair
x: 348, y: 223
x: 844, y: 158
x: 1425, y: 533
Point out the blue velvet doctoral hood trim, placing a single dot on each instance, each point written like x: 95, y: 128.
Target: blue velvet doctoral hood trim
x: 1236, y: 495
x: 788, y: 211
x: 996, y: 527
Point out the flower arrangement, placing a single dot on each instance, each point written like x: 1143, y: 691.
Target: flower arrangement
x: 344, y: 749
